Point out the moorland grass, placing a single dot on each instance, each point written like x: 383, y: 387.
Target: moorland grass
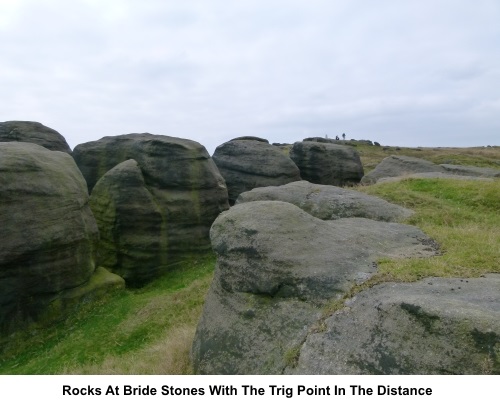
x: 142, y: 331
x: 462, y: 216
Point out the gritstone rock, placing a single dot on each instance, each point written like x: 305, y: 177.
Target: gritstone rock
x: 48, y: 235
x: 276, y: 267
x: 246, y: 164
x: 33, y: 132
x: 155, y: 202
x: 327, y: 163
x: 395, y: 166
x: 328, y: 202
x: 434, y: 326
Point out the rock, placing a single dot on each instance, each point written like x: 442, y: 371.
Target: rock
x: 250, y: 138
x: 48, y: 234
x: 434, y: 326
x: 395, y: 166
x: 321, y: 140
x: 133, y: 236
x: 276, y: 266
x: 325, y: 163
x: 328, y: 202
x: 246, y: 164
x: 155, y: 203
x: 432, y: 175
x: 33, y: 132
x: 471, y: 171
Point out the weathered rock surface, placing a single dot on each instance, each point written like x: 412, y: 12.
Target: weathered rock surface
x: 48, y: 234
x: 247, y: 164
x: 33, y: 132
x: 276, y: 266
x: 250, y: 138
x: 328, y: 202
x: 327, y: 163
x: 132, y: 242
x: 155, y: 202
x: 395, y: 166
x: 471, y: 170
x: 434, y: 326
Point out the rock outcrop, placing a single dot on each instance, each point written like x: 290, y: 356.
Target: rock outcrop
x: 432, y: 175
x: 155, y: 202
x: 471, y: 171
x: 133, y: 236
x: 328, y: 202
x: 246, y: 164
x: 33, y: 132
x: 276, y: 266
x: 396, y: 166
x: 434, y: 326
x: 400, y: 167
x: 327, y: 163
x: 48, y: 235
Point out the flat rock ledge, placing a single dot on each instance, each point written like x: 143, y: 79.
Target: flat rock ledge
x: 434, y: 326
x: 433, y: 175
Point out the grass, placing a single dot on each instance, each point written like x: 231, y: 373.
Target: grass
x: 143, y: 331
x: 462, y: 216
x: 150, y: 330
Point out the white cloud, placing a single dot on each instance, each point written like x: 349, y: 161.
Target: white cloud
x: 213, y: 70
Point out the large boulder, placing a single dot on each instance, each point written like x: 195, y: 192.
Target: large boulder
x: 276, y: 266
x: 328, y: 202
x: 434, y: 326
x: 33, y: 132
x: 155, y: 202
x: 48, y: 234
x: 327, y: 163
x: 249, y: 163
x: 396, y: 166
x: 133, y: 238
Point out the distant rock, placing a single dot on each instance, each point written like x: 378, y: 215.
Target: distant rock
x: 155, y: 203
x: 471, y: 171
x: 276, y: 266
x: 434, y: 326
x: 328, y: 202
x: 325, y: 163
x: 432, y: 175
x: 321, y: 140
x: 246, y: 164
x: 250, y: 138
x: 48, y: 234
x: 33, y: 132
x: 395, y: 166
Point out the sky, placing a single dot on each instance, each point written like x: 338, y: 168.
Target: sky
x: 402, y: 73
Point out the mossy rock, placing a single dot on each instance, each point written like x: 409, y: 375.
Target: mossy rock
x: 48, y: 233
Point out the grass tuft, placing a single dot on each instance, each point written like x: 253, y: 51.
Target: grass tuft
x: 143, y: 331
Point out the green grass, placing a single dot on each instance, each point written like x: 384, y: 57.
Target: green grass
x: 462, y: 216
x: 143, y: 331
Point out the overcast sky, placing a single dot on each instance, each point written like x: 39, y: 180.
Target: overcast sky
x: 401, y: 72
